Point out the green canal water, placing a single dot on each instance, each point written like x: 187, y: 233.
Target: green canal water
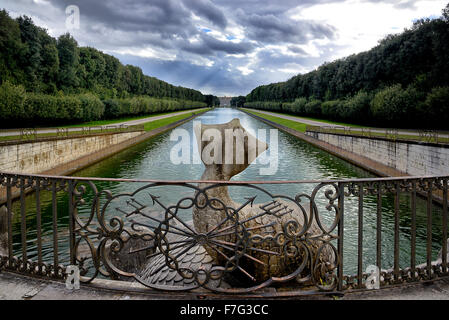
x: 297, y: 161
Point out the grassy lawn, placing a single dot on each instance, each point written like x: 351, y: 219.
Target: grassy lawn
x: 163, y: 122
x: 298, y: 126
x: 113, y: 121
x: 314, y: 119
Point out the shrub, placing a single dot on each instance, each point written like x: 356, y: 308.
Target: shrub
x: 46, y: 109
x: 331, y: 109
x: 68, y: 108
x: 265, y: 105
x: 33, y: 109
x: 111, y: 109
x: 125, y: 107
x: 356, y: 108
x: 435, y: 109
x: 92, y: 108
x: 298, y: 106
x: 41, y: 108
x: 394, y: 105
x: 313, y: 108
x: 11, y: 101
x: 287, y: 107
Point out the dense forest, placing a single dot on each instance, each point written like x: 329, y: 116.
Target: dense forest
x: 402, y: 82
x: 45, y: 81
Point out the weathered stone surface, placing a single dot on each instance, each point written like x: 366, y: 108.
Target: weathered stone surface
x: 418, y: 159
x: 17, y: 287
x: 40, y: 156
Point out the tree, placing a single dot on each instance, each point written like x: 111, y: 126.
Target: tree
x: 49, y: 67
x: 436, y: 107
x: 402, y: 67
x: 238, y: 102
x: 11, y: 50
x: 31, y: 56
x: 68, y: 54
x: 446, y: 13
x: 43, y: 79
x: 94, y: 67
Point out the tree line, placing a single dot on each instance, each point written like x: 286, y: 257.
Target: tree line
x: 46, y: 80
x: 238, y: 102
x: 402, y: 82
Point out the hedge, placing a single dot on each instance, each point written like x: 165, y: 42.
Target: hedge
x: 392, y: 106
x: 19, y: 108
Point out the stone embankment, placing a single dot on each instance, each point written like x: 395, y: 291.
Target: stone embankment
x: 65, y: 155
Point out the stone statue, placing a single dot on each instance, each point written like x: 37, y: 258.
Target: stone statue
x: 261, y: 260
x: 204, y: 219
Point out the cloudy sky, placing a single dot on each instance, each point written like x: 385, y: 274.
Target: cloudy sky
x: 227, y: 47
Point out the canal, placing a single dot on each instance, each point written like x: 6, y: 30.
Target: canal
x: 297, y: 160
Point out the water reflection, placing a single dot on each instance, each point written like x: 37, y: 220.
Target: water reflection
x: 297, y: 161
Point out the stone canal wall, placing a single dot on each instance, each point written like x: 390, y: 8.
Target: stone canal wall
x: 45, y: 155
x: 411, y: 158
x: 64, y: 156
x: 382, y: 157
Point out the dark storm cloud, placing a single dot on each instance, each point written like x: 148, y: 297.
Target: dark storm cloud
x: 207, y: 9
x: 165, y: 17
x: 269, y: 7
x: 172, y: 17
x: 208, y: 45
x: 275, y: 29
x: 282, y: 6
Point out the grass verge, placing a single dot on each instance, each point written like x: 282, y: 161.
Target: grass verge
x: 298, y: 126
x: 163, y: 122
x: 113, y: 121
x: 315, y: 119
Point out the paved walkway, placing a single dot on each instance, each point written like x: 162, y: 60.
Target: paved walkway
x: 320, y: 123
x: 15, y: 132
x: 15, y: 287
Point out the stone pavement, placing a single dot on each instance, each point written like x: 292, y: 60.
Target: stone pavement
x: 16, y: 287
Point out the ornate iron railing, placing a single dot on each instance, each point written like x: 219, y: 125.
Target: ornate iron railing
x: 426, y: 136
x: 297, y: 240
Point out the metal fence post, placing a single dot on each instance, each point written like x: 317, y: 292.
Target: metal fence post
x: 341, y: 200
x: 71, y: 222
x: 4, y: 231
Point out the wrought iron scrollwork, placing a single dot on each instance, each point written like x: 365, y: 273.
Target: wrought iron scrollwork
x: 265, y: 240
x: 239, y: 248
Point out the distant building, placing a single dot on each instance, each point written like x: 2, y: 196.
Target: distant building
x: 225, y: 101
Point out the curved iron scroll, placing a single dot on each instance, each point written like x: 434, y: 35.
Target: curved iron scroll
x: 249, y: 246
